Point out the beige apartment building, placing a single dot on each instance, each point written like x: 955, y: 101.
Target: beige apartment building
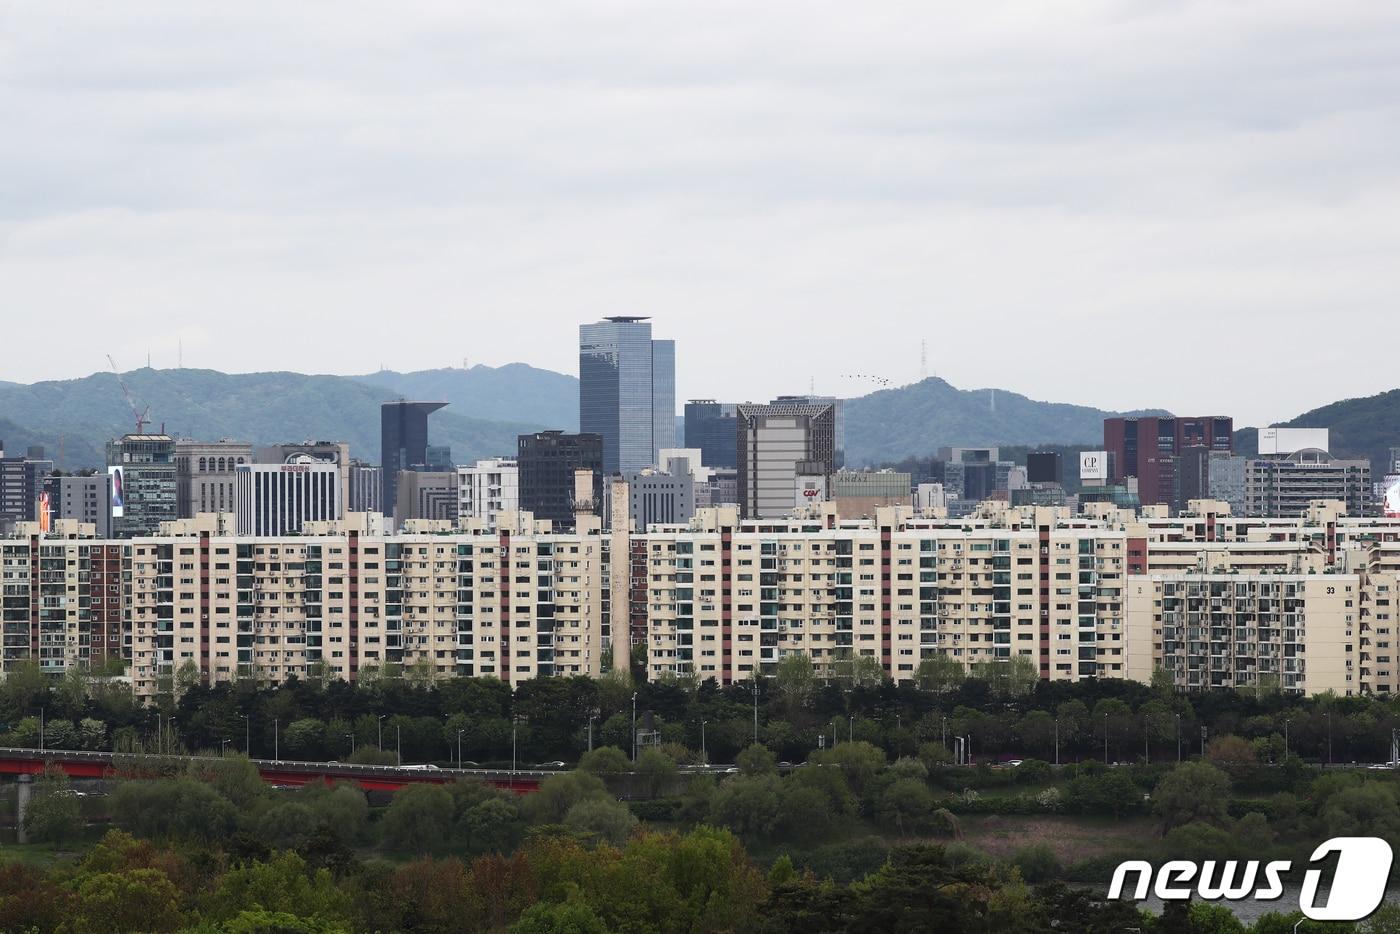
x: 1218, y: 601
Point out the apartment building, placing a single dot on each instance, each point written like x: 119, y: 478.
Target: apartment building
x: 514, y: 606
x: 1302, y: 605
x: 728, y: 599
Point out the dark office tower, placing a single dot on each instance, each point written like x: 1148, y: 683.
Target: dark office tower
x: 403, y: 442
x: 1150, y: 449
x: 1044, y: 467
x: 546, y: 463
x: 1193, y: 474
x: 712, y: 428
x: 21, y: 482
x: 627, y: 391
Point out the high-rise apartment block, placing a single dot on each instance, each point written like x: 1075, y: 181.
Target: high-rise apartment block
x: 546, y: 462
x: 145, y: 486
x: 627, y: 391
x: 776, y: 445
x: 1303, y: 605
x: 1150, y: 447
x: 403, y: 443
x: 712, y: 428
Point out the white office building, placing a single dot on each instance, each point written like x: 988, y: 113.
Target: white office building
x: 488, y: 488
x: 276, y: 499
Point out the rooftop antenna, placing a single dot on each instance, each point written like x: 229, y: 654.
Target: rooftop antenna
x: 994, y: 398
x: 923, y: 360
x: 180, y: 355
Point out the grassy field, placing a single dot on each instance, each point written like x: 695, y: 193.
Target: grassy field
x: 1072, y: 839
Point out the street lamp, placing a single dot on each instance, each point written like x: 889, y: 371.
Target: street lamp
x: 514, y: 722
x: 276, y: 740
x: 851, y: 729
x: 459, y: 747
x: 1057, y: 740
x: 755, y: 706
x: 379, y: 731
x: 247, y: 735
x: 634, y: 726
x: 1178, y: 739
x: 1328, y: 715
x: 223, y: 746
x: 351, y: 738
x: 1285, y: 738
x: 1105, y: 739
x: 704, y: 756
x: 591, y: 718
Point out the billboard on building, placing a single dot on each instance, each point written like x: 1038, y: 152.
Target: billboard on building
x: 1391, y: 502
x: 44, y: 521
x: 1289, y: 440
x: 1093, y: 466
x: 117, y: 479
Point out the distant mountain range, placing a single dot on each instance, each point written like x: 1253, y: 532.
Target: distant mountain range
x: 490, y: 406
x: 80, y: 415
x: 1364, y: 428
x: 914, y: 420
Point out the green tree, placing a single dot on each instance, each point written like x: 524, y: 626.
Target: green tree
x: 1233, y: 756
x: 282, y: 885
x: 656, y: 772
x: 907, y: 805
x: 373, y: 755
x: 749, y: 806
x: 860, y: 762
x: 941, y: 674
x: 419, y: 819
x: 559, y: 793
x: 54, y: 815
x: 136, y: 900
x: 609, y: 820
x: 572, y: 917
x: 605, y: 760
x: 1367, y: 810
x: 173, y: 809
x: 1193, y: 791
x: 795, y: 680
x: 756, y: 760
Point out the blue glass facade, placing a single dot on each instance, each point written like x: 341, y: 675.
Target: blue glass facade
x: 627, y: 391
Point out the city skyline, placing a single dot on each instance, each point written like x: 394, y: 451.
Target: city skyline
x: 1047, y: 183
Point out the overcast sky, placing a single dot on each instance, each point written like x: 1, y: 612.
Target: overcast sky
x: 1187, y: 205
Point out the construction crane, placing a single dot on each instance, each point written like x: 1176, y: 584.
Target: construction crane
x: 141, y: 415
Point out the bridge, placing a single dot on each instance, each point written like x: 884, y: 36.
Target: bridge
x: 82, y: 764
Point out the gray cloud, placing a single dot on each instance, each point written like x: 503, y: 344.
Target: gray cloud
x: 1187, y: 205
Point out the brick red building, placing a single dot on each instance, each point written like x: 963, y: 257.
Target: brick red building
x: 1150, y: 448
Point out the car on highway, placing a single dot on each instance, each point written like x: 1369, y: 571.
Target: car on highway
x: 556, y: 764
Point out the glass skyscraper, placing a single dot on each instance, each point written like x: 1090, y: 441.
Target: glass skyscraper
x: 627, y: 391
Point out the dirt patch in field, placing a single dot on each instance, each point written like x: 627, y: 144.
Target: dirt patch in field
x: 1072, y: 840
